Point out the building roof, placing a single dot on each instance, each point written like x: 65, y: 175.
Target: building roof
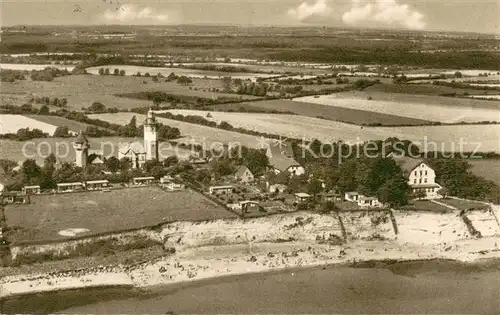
x: 282, y: 163
x: 143, y: 178
x: 241, y: 170
x: 102, y: 181
x: 280, y: 148
x: 134, y: 147
x: 81, y: 139
x: 221, y: 187
x: 69, y: 184
x: 302, y: 195
x: 367, y: 198
x: 425, y: 185
x: 407, y: 163
x: 352, y: 193
x: 31, y: 186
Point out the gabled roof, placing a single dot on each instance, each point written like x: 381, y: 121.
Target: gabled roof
x: 135, y: 147
x: 282, y: 163
x: 81, y: 139
x: 241, y: 170
x: 407, y: 163
x: 280, y: 148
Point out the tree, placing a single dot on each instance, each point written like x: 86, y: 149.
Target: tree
x: 171, y: 77
x: 122, y: 73
x: 443, y: 192
x: 328, y: 207
x: 171, y: 160
x: 7, y: 165
x: 226, y: 83
x: 113, y: 164
x: 458, y: 74
x: 97, y: 107
x: 101, y: 71
x: 44, y: 110
x: 157, y: 99
x: 62, y: 132
x: 184, y: 80
x: 31, y: 170
x: 63, y: 102
x: 394, y: 192
x: 116, y: 71
x: 419, y: 194
x: 225, y: 125
x: 314, y: 187
x: 106, y: 71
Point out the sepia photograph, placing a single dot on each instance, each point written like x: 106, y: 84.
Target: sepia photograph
x: 249, y: 157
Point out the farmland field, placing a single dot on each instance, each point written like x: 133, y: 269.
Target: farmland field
x: 343, y: 114
x: 39, y: 149
x: 192, y: 133
x: 194, y: 73
x: 12, y: 123
x: 441, y: 138
x: 486, y: 168
x: 29, y: 67
x: 424, y: 89
x: 434, y: 108
x: 73, y: 126
x: 100, y: 212
x: 82, y: 90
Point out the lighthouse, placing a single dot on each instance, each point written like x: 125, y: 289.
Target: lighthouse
x: 81, y: 146
x: 151, y: 137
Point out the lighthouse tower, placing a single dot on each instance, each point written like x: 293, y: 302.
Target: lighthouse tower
x: 81, y: 146
x: 150, y: 137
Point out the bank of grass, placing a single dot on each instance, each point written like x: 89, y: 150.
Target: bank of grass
x: 93, y: 248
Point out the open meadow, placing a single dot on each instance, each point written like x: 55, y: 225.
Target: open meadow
x: 83, y: 90
x: 343, y: 114
x: 73, y: 125
x: 12, y: 123
x: 486, y: 168
x: 100, y: 212
x: 39, y: 149
x: 446, y: 138
x: 196, y: 134
x: 433, y: 108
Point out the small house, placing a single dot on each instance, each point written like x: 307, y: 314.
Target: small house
x: 244, y: 175
x: 31, y: 190
x: 143, y: 181
x: 172, y: 186
x: 227, y: 189
x: 165, y: 180
x: 69, y: 187
x: 330, y: 196
x: 302, y: 197
x: 351, y: 196
x: 14, y: 197
x: 276, y: 188
x: 96, y: 184
x: 369, y: 202
x: 249, y: 206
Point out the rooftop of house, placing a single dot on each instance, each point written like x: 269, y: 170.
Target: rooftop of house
x: 282, y: 163
x: 241, y: 170
x: 134, y: 147
x: 222, y: 187
x: 367, y: 198
x: 280, y: 148
x: 302, y: 195
x: 407, y: 163
x: 81, y: 139
x: 352, y: 193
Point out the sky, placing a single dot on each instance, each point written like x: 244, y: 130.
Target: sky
x: 434, y: 15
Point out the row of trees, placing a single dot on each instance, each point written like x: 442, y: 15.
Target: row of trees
x: 106, y: 71
x: 53, y: 101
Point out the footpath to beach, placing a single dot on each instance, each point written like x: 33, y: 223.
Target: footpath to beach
x: 195, y: 260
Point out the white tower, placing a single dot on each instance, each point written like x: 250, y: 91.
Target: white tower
x: 150, y: 137
x: 81, y: 146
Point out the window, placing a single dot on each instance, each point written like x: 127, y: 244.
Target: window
x: 414, y: 181
x: 415, y: 173
x: 425, y: 180
x: 420, y: 173
x: 420, y: 181
x: 425, y: 172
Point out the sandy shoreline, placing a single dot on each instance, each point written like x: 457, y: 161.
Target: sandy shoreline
x: 219, y: 261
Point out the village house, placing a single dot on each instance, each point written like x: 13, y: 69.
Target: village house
x: 421, y: 177
x: 302, y: 197
x: 276, y: 188
x: 369, y: 202
x: 227, y: 189
x: 243, y: 175
x: 96, y: 184
x: 173, y: 186
x: 143, y: 181
x: 330, y: 196
x: 134, y: 152
x: 351, y: 196
x: 14, y: 197
x: 31, y: 190
x: 165, y: 180
x: 249, y: 206
x: 69, y: 187
x: 281, y: 159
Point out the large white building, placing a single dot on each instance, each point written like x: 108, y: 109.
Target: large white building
x: 281, y: 159
x: 139, y: 153
x: 421, y: 177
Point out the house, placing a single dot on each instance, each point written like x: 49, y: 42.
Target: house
x: 281, y: 159
x: 96, y: 184
x: 351, y: 196
x: 69, y: 187
x: 330, y: 196
x: 31, y: 190
x: 228, y: 189
x: 249, y: 206
x: 143, y: 181
x: 165, y: 180
x: 302, y: 197
x: 421, y: 177
x: 134, y: 152
x: 14, y: 197
x: 172, y: 186
x: 369, y: 202
x: 276, y: 188
x: 243, y: 175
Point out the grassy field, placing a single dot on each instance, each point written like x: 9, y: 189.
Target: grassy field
x: 434, y: 108
x: 425, y: 205
x: 101, y: 212
x: 39, y: 149
x: 486, y: 168
x: 423, y: 89
x: 464, y: 204
x: 441, y: 138
x: 192, y: 133
x: 12, y: 123
x: 344, y: 114
x: 82, y: 90
x: 57, y: 121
